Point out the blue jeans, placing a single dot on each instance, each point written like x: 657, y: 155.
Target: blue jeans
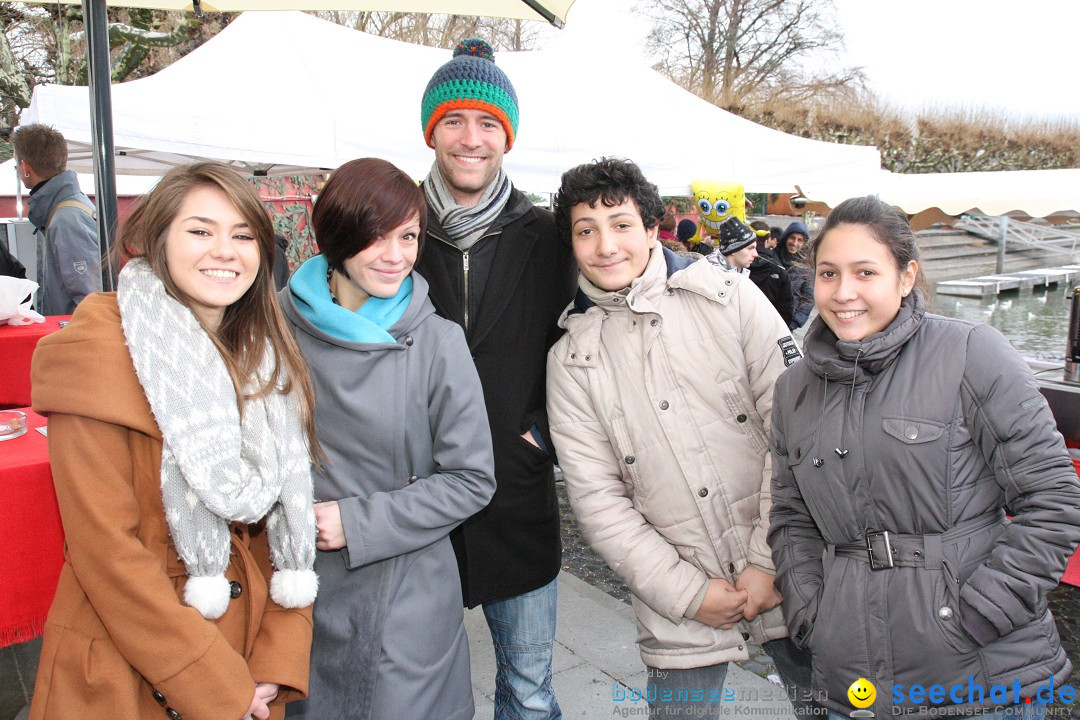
x: 792, y: 663
x: 523, y: 632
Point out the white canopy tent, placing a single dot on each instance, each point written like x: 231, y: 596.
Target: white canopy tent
x: 278, y: 92
x: 1038, y: 193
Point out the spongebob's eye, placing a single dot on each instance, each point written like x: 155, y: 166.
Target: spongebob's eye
x: 722, y: 207
x: 704, y: 206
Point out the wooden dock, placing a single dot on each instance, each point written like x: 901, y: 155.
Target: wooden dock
x: 989, y: 285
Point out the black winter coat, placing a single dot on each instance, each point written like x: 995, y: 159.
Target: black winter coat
x: 772, y: 280
x: 521, y: 277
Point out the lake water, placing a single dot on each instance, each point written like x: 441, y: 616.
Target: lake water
x: 1035, y: 321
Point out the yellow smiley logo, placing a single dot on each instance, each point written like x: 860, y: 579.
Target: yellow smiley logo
x: 862, y: 693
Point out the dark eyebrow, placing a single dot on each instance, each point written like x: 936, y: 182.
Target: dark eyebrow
x: 208, y: 221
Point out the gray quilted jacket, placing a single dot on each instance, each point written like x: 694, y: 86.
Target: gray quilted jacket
x: 943, y: 431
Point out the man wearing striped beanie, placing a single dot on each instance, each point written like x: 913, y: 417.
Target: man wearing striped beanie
x: 496, y: 266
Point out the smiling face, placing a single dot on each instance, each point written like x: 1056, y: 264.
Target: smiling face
x: 469, y: 148
x: 611, y: 244
x: 211, y: 254
x: 862, y: 693
x: 379, y: 269
x: 795, y: 242
x: 858, y: 288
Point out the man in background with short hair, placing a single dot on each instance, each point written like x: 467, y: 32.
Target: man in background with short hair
x: 64, y: 220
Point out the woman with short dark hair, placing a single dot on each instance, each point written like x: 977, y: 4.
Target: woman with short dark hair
x: 401, y: 418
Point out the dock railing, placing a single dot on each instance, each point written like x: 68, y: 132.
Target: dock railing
x: 1005, y: 231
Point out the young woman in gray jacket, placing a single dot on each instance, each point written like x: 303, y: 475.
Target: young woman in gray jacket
x: 400, y: 414
x: 900, y: 443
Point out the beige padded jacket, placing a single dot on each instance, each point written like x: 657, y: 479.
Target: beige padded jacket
x: 659, y: 399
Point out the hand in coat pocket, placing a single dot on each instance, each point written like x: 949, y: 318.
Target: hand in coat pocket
x: 330, y: 535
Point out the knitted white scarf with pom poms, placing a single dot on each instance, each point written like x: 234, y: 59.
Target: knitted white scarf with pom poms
x: 217, y: 467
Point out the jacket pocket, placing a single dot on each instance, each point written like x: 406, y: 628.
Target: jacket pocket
x: 744, y: 415
x: 912, y: 431
x: 947, y: 612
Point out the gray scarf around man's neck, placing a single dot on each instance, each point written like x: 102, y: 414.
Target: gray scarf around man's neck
x: 216, y: 465
x: 465, y: 225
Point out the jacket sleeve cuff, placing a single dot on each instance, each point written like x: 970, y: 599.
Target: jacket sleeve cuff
x: 282, y: 651
x: 978, y: 627
x: 216, y: 685
x: 695, y: 604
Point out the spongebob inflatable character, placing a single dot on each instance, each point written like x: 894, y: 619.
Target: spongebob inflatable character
x: 715, y: 203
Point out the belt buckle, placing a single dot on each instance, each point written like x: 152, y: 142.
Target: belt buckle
x: 885, y: 562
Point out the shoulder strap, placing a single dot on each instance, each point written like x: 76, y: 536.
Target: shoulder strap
x: 69, y: 203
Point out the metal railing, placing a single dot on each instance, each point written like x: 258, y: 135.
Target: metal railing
x: 1005, y: 231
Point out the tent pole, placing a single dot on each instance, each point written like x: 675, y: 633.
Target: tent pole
x: 96, y: 22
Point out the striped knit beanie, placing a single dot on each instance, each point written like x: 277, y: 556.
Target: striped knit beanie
x: 471, y: 80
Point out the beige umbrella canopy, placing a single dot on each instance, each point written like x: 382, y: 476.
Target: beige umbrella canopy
x: 97, y: 50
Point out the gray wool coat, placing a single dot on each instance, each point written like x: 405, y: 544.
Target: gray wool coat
x: 405, y: 431
x: 945, y: 432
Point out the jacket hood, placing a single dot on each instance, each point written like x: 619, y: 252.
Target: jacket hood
x: 66, y: 376
x: 795, y: 227
x: 841, y: 360
x: 56, y: 189
x: 419, y: 308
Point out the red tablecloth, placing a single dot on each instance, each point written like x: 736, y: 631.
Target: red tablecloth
x: 17, y: 345
x: 31, y: 536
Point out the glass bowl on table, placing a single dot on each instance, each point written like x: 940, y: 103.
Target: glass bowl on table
x: 12, y: 424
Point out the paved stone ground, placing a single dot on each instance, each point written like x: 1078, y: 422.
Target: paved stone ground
x: 582, y: 562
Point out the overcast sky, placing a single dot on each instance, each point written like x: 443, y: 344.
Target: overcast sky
x: 1018, y: 56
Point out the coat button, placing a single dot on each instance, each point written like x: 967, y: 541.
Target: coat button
x: 727, y: 281
x: 408, y: 340
x: 588, y: 358
x: 664, y: 405
x: 740, y: 647
x: 741, y: 417
x: 945, y: 612
x: 746, y: 636
x: 158, y: 697
x: 703, y: 492
x: 173, y: 715
x: 721, y: 294
x: 618, y: 300
x: 731, y: 568
x: 654, y: 322
x: 572, y: 356
x: 629, y: 459
x: 797, y: 453
x: 911, y: 432
x: 412, y: 479
x: 235, y: 590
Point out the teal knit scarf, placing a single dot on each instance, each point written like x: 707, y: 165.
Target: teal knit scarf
x: 369, y: 324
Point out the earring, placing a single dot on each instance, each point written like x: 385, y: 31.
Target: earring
x: 26, y: 175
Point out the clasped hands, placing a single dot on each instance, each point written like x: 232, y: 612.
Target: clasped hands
x: 725, y: 604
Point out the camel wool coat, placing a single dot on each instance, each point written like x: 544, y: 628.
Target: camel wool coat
x: 119, y: 643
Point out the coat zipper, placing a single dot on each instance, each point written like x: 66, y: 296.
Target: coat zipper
x: 465, y: 273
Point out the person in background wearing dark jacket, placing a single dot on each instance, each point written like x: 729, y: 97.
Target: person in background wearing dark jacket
x: 769, y: 275
x: 497, y: 268
x: 68, y: 258
x: 685, y: 232
x: 900, y: 443
x: 790, y: 254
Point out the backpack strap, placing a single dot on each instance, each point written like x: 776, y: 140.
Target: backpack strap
x: 70, y: 203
